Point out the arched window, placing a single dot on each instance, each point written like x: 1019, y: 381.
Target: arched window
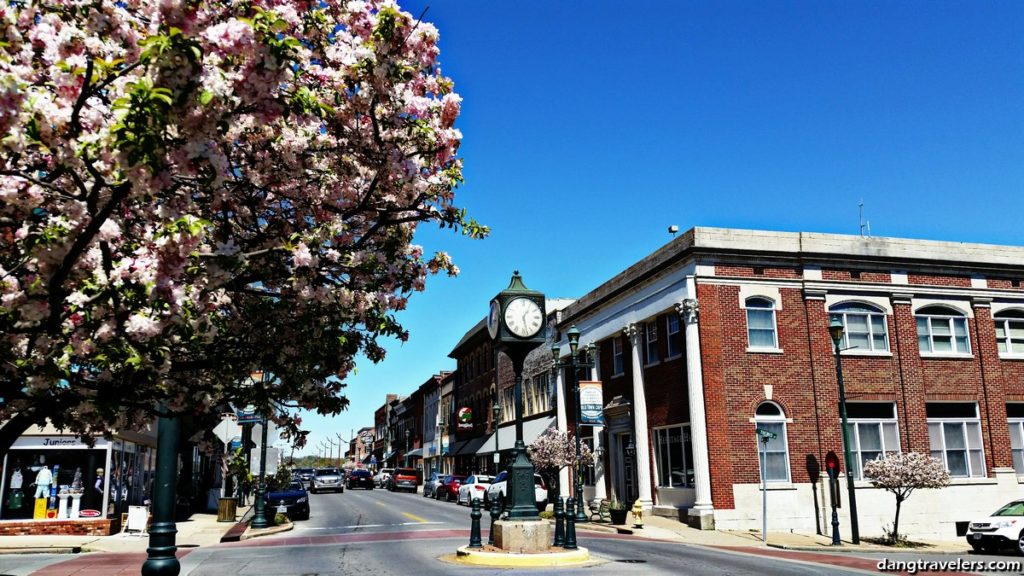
x: 942, y: 330
x: 864, y: 326
x: 773, y: 456
x: 761, y: 323
x: 1010, y: 331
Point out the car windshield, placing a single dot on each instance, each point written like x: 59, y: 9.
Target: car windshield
x: 1011, y: 509
x: 295, y: 487
x: 480, y: 479
x: 328, y: 472
x: 304, y: 471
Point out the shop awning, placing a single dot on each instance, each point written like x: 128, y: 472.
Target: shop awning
x: 417, y: 453
x: 471, y: 446
x: 506, y: 435
x: 453, y: 448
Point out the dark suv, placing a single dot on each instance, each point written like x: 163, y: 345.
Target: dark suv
x: 359, y: 478
x: 403, y: 479
x: 305, y: 475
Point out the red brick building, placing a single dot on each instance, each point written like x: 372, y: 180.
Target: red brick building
x: 721, y: 332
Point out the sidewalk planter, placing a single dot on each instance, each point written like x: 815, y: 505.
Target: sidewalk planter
x: 617, y: 512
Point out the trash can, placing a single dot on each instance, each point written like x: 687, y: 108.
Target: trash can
x: 226, y: 508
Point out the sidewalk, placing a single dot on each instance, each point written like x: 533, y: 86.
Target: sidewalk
x: 660, y: 528
x: 198, y: 530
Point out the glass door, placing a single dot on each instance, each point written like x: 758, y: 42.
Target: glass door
x: 628, y: 477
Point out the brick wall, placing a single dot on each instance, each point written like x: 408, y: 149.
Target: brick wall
x: 92, y: 527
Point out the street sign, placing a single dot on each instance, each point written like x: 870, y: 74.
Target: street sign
x: 766, y: 435
x: 235, y: 443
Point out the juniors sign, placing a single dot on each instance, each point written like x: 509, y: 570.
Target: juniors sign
x: 591, y: 403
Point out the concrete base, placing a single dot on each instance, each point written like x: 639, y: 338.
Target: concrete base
x: 556, y: 557
x: 701, y: 519
x: 523, y: 536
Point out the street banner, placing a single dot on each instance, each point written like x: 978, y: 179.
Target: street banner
x: 464, y: 417
x: 248, y: 415
x: 591, y: 403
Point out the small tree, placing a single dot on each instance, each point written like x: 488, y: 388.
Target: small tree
x: 901, y: 473
x: 554, y: 450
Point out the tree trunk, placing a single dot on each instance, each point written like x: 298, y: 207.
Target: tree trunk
x: 13, y: 429
x: 896, y: 523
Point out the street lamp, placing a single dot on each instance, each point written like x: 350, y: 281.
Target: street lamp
x: 496, y: 412
x: 259, y: 515
x: 574, y: 364
x: 408, y: 436
x: 835, y: 329
x: 440, y: 447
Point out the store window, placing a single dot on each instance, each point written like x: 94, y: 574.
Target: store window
x: 1015, y: 416
x: 618, y: 362
x: 651, y: 355
x: 39, y: 471
x: 674, y: 456
x: 873, y: 432
x: 674, y: 336
x: 954, y: 432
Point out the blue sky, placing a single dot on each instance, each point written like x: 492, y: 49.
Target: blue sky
x: 591, y: 127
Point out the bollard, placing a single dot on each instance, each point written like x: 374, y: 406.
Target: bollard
x: 570, y: 525
x: 559, y: 523
x: 474, y: 528
x: 495, y: 514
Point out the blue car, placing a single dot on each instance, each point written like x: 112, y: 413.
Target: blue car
x: 292, y: 501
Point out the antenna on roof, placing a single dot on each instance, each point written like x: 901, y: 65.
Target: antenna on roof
x: 673, y: 229
x: 864, y: 225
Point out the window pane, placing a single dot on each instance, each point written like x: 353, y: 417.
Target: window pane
x: 922, y: 326
x: 1000, y: 329
x: 858, y: 341
x: 661, y: 438
x: 973, y: 435
x: 924, y: 344
x: 878, y: 324
x: 953, y: 434
x: 962, y: 344
x: 935, y: 436
x: 956, y: 462
x: 890, y: 435
x: 777, y: 469
x: 851, y: 430
x: 870, y: 437
x: 679, y: 464
x: 760, y: 319
x: 942, y: 344
x: 1018, y: 461
x: 856, y: 323
x: 1015, y: 436
x: 762, y: 338
x: 977, y: 463
x: 940, y: 327
x: 880, y: 342
x: 960, y: 326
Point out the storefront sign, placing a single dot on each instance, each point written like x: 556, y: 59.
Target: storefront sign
x: 464, y: 417
x: 591, y: 403
x: 247, y: 415
x: 54, y: 442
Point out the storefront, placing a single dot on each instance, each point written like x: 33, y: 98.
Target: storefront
x: 74, y: 480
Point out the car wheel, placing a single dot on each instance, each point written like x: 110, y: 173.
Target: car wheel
x: 1020, y: 543
x: 312, y: 490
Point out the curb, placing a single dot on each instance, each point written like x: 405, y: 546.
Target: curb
x: 42, y: 550
x: 250, y: 533
x: 873, y: 550
x: 465, y: 555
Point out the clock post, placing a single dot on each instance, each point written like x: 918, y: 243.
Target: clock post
x: 517, y: 325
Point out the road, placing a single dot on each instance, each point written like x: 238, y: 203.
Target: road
x: 381, y: 533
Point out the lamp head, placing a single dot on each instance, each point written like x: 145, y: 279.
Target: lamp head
x: 835, y: 329
x: 574, y: 338
x: 496, y: 410
x: 630, y: 448
x: 555, y: 354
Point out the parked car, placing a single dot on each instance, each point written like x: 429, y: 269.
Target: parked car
x: 496, y: 492
x: 359, y: 478
x: 327, y: 479
x: 292, y: 501
x: 474, y: 487
x: 382, y: 476
x: 449, y: 488
x: 1003, y: 529
x: 305, y: 475
x: 430, y: 486
x: 403, y: 479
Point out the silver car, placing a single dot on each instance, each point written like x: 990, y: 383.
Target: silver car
x: 327, y: 479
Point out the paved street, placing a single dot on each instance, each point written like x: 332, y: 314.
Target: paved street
x: 381, y: 533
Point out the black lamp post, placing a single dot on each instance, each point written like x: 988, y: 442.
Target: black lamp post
x: 259, y: 515
x: 440, y: 447
x: 161, y: 555
x: 496, y: 413
x: 574, y: 364
x: 408, y: 440
x: 835, y: 329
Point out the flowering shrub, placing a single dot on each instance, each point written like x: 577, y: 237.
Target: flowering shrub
x: 194, y: 191
x: 903, y: 472
x: 554, y: 450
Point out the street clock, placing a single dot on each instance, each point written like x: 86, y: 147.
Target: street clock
x: 516, y: 317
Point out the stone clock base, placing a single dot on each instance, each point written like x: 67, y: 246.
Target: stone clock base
x: 523, y: 535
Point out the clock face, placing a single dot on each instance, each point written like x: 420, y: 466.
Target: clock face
x: 493, y: 318
x: 523, y: 317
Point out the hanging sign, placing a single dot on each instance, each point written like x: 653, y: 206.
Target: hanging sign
x: 591, y: 403
x: 464, y: 417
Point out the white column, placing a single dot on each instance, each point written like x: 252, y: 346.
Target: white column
x: 702, y: 512
x: 600, y: 492
x: 563, y: 474
x: 642, y: 440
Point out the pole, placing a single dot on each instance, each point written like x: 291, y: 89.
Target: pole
x: 162, y: 559
x: 577, y: 471
x: 764, y: 490
x: 259, y: 516
x: 854, y: 527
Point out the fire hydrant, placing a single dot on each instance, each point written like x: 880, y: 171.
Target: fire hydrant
x: 638, y: 515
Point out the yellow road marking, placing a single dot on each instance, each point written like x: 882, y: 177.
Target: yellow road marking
x: 380, y: 504
x: 413, y: 517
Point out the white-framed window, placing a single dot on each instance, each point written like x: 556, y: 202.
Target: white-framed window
x: 651, y: 343
x: 761, y: 323
x: 873, y: 431
x: 673, y: 335
x: 1010, y: 332
x: 942, y: 330
x: 773, y: 457
x: 864, y: 326
x: 618, y: 360
x: 508, y: 403
x: 673, y: 456
x: 954, y: 432
x: 1015, y: 416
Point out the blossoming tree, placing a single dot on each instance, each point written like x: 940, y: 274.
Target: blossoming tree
x: 193, y: 191
x: 554, y: 450
x: 903, y: 472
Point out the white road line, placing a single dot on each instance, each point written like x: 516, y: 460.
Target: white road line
x: 364, y: 526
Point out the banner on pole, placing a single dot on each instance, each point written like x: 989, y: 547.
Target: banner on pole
x: 591, y: 403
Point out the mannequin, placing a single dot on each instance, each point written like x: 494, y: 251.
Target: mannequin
x: 17, y: 497
x: 99, y: 482
x: 43, y: 480
x: 76, y: 484
x: 16, y: 479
